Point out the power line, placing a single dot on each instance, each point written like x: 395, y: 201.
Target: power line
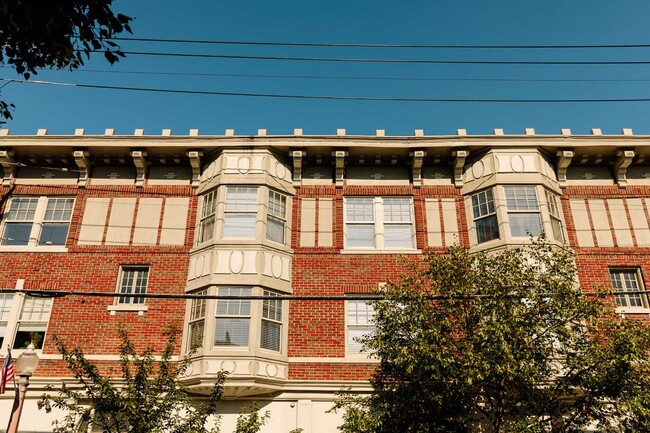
x: 333, y: 98
x: 360, y: 45
x: 351, y: 77
x: 368, y: 60
x: 348, y: 297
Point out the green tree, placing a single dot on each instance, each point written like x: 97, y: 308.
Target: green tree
x: 501, y: 342
x: 37, y: 34
x: 149, y: 398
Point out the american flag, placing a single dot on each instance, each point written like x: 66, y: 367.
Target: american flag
x: 6, y: 373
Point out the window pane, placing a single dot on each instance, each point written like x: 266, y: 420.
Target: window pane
x: 16, y: 233
x: 241, y: 198
x: 134, y: 281
x: 483, y: 203
x: 53, y: 234
x: 22, y: 209
x: 26, y: 337
x: 6, y: 299
x: 359, y: 209
x: 277, y: 205
x: 58, y: 209
x: 231, y: 331
x: 238, y: 225
x: 558, y: 233
x: 207, y: 228
x: 197, y: 330
x: 487, y: 229
x: 271, y: 335
x: 397, y: 210
x: 525, y: 224
x: 360, y: 235
x: 398, y: 236
x: 627, y: 281
x: 354, y: 334
x: 275, y: 230
x: 521, y: 198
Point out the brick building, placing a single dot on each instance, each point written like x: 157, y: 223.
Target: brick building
x: 295, y: 215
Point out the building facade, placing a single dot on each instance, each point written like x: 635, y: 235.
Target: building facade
x: 104, y: 218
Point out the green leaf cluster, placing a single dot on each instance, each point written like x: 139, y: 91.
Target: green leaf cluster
x: 36, y: 34
x: 148, y: 398
x: 501, y: 342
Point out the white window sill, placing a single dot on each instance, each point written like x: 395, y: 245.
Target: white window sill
x: 632, y: 310
x: 376, y: 251
x: 140, y: 308
x: 33, y: 249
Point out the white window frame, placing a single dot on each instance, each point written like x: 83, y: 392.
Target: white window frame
x: 37, y: 216
x: 198, y: 309
x: 484, y: 208
x: 522, y: 201
x: 128, y: 291
x: 377, y: 218
x: 241, y: 207
x: 244, y: 313
x: 623, y: 280
x: 355, y: 321
x: 13, y: 317
x: 208, y: 220
x: 555, y: 215
x: 271, y: 316
x: 255, y: 319
x: 277, y: 214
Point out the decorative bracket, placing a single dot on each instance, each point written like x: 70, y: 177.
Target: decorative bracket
x: 8, y: 166
x: 417, y: 156
x: 195, y: 162
x: 140, y: 161
x: 339, y: 156
x: 459, y: 163
x: 83, y: 163
x: 623, y: 161
x: 297, y: 156
x: 563, y: 161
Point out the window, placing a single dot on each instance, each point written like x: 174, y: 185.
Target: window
x: 554, y: 213
x: 241, y: 212
x: 360, y: 317
x: 625, y: 283
x: 379, y: 222
x: 485, y: 217
x: 23, y: 320
x: 197, y: 321
x: 523, y: 211
x: 206, y: 226
x: 233, y: 318
x: 277, y: 217
x: 271, y: 333
x: 32, y: 322
x: 37, y: 221
x: 133, y: 281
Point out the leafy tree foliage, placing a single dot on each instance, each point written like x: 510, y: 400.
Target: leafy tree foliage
x: 37, y: 34
x: 150, y: 398
x: 502, y: 342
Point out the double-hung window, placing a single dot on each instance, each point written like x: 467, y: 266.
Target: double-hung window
x: 133, y: 281
x: 360, y: 322
x: 523, y: 210
x: 271, y: 332
x: 379, y: 222
x: 627, y: 285
x: 208, y: 216
x: 240, y: 212
x: 554, y: 214
x: 37, y: 221
x: 23, y: 320
x: 233, y: 317
x: 277, y: 217
x: 196, y: 326
x: 6, y: 299
x: 485, y: 216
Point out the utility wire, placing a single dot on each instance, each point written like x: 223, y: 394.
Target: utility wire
x: 360, y: 45
x: 328, y: 97
x: 351, y: 77
x: 350, y: 297
x: 367, y: 60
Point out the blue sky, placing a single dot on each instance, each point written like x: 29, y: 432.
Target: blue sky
x: 505, y: 22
